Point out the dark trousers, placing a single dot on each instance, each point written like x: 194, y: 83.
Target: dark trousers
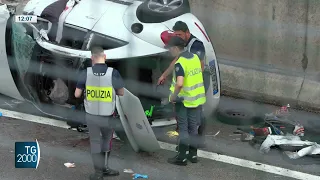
x: 100, y: 133
x: 188, y: 122
x: 202, y: 123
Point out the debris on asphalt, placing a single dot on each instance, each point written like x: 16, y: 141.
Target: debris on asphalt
x: 280, y: 129
x: 291, y: 140
x: 142, y: 176
x: 69, y: 165
x: 130, y: 171
x: 262, y: 131
x: 246, y: 137
x: 279, y: 122
x: 172, y: 134
x: 213, y: 135
x: 311, y: 150
x: 216, y: 133
x: 238, y: 132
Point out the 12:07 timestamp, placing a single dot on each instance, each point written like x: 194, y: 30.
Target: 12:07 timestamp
x: 26, y: 19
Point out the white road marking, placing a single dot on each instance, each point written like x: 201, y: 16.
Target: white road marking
x: 163, y: 122
x: 12, y: 101
x: 7, y: 104
x: 171, y: 147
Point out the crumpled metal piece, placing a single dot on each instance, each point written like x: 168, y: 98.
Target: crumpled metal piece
x: 311, y: 150
x: 290, y: 140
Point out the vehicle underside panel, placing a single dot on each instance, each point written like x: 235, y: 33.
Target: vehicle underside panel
x: 86, y: 14
x: 7, y: 84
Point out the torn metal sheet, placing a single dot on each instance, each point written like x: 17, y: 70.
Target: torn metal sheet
x: 311, y: 150
x: 290, y: 140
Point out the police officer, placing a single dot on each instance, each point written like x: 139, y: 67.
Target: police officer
x: 188, y: 94
x: 101, y: 84
x: 195, y: 46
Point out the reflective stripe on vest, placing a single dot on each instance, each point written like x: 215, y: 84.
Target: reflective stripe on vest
x: 189, y: 45
x: 192, y: 93
x: 99, y: 94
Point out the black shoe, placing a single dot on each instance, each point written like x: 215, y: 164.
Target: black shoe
x: 181, y: 158
x: 178, y: 161
x: 106, y: 170
x: 192, y: 156
x: 110, y: 172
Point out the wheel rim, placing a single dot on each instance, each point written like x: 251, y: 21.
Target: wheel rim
x: 164, y: 5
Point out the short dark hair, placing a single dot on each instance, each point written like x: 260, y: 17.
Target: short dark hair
x: 180, y: 26
x: 176, y: 41
x: 97, y: 50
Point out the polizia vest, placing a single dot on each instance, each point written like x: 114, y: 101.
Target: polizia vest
x: 192, y: 92
x: 99, y: 94
x: 189, y: 45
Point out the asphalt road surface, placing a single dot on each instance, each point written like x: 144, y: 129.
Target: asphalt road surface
x: 57, y: 148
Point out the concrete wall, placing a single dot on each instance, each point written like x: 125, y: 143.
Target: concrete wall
x: 267, y: 32
x: 272, y: 35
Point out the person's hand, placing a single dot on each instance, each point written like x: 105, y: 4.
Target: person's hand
x: 161, y: 80
x: 172, y: 99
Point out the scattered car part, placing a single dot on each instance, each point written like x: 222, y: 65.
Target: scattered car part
x: 310, y: 150
x: 290, y: 140
x: 246, y: 137
x: 237, y: 117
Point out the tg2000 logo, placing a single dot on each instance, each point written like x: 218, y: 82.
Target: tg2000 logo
x: 27, y: 154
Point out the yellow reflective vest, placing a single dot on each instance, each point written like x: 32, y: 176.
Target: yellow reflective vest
x: 192, y: 92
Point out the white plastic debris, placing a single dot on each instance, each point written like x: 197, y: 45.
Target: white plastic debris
x: 130, y: 171
x: 69, y: 165
x: 311, y: 150
x: 290, y: 140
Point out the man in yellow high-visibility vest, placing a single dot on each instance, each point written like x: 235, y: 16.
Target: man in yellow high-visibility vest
x: 188, y: 94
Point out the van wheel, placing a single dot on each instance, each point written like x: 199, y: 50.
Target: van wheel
x: 157, y: 11
x: 238, y: 117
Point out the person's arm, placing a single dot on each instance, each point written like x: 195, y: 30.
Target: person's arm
x: 117, y: 82
x: 169, y: 70
x: 179, y: 81
x: 198, y: 49
x: 81, y: 84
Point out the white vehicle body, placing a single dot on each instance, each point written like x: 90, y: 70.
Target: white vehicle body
x: 112, y: 20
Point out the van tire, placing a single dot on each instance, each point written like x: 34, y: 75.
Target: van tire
x: 238, y: 117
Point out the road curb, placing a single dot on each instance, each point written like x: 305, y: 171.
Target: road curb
x: 270, y: 88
